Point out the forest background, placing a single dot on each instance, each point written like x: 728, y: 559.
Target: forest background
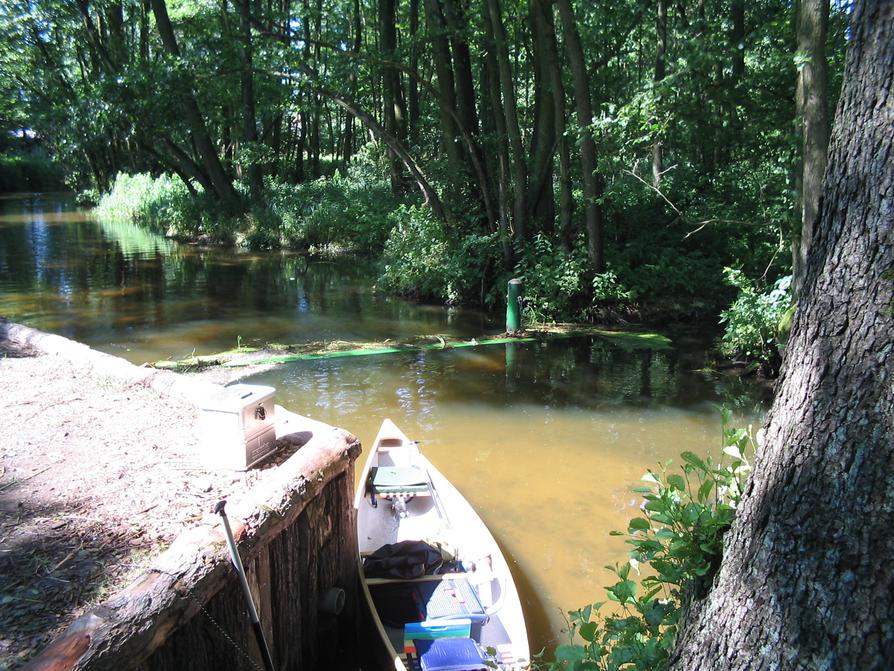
x: 647, y: 160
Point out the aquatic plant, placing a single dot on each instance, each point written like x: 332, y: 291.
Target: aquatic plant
x: 677, y: 545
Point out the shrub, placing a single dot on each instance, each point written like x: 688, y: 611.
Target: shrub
x: 423, y: 260
x: 560, y: 284
x: 754, y: 319
x: 350, y: 210
x: 28, y: 172
x: 679, y: 540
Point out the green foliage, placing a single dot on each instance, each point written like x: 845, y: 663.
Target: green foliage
x: 755, y: 319
x: 103, y: 94
x: 554, y: 279
x: 423, y: 258
x: 353, y: 210
x: 29, y: 172
x: 561, y: 285
x: 163, y: 204
x: 143, y: 199
x: 678, y: 540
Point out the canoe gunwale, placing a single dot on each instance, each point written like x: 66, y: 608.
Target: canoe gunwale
x: 503, y: 614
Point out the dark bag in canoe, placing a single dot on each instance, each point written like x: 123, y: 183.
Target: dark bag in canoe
x: 407, y: 559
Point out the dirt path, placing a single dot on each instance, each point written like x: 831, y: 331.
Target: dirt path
x: 97, y: 475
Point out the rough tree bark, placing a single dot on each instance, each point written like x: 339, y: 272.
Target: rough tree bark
x: 509, y: 109
x: 812, y: 103
x: 249, y: 118
x: 223, y: 185
x: 660, y: 71
x: 593, y: 185
x: 806, y: 579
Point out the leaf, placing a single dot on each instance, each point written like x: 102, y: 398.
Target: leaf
x: 649, y: 477
x: 638, y: 524
x: 696, y: 461
x: 588, y: 631
x: 726, y: 415
x: 656, y: 505
x: 623, y: 591
x: 662, y: 517
x: 733, y: 451
x: 570, y: 653
x: 677, y: 482
x: 705, y: 490
x: 691, y: 513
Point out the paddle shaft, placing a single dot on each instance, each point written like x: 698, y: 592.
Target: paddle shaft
x: 249, y: 601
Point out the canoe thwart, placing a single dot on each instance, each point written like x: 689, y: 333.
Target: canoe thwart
x: 397, y: 483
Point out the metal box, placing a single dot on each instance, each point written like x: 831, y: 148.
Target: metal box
x: 237, y: 428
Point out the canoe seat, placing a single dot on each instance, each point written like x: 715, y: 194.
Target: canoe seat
x: 397, y: 483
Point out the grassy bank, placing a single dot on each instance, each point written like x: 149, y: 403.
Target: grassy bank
x: 657, y: 275
x: 29, y: 172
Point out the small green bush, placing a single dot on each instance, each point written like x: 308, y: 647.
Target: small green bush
x: 753, y: 322
x: 350, y: 210
x: 679, y: 539
x: 560, y: 284
x: 423, y: 259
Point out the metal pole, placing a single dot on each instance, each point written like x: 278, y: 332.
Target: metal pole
x: 514, y: 306
x: 249, y: 602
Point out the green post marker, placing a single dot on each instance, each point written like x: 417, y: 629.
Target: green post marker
x: 514, y: 306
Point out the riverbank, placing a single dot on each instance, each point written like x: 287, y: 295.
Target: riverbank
x: 98, y: 475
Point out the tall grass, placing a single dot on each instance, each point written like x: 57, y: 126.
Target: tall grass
x: 346, y: 211
x: 163, y: 204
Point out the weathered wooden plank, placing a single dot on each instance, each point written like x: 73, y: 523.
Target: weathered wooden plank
x: 154, y: 621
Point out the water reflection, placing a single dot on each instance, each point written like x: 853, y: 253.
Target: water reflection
x: 123, y: 289
x: 545, y: 439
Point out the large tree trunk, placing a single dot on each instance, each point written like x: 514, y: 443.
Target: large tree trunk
x: 447, y: 110
x: 223, y: 185
x: 593, y: 184
x: 392, y: 96
x: 412, y: 83
x: 541, y: 200
x: 457, y: 26
x: 496, y: 130
x: 348, y: 138
x: 556, y: 94
x: 812, y: 102
x: 806, y: 578
x: 660, y: 70
x: 249, y: 120
x: 509, y: 109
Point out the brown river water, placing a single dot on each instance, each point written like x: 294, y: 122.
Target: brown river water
x: 545, y: 439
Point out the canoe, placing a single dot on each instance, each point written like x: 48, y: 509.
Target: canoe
x: 439, y: 591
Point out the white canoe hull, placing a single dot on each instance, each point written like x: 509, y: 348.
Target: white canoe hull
x: 441, y: 516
